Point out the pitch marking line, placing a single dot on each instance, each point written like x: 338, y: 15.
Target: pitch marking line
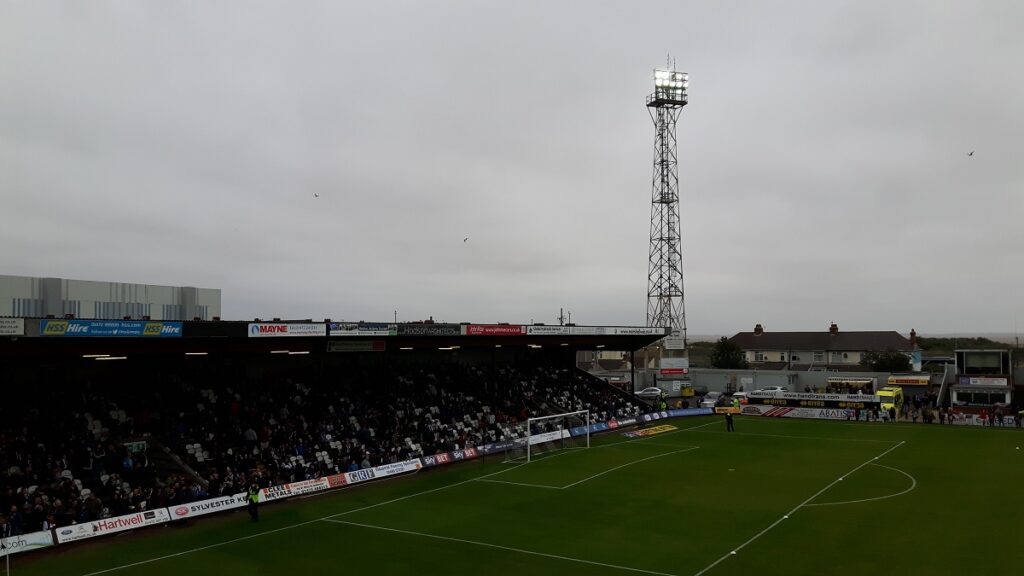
x: 275, y: 530
x: 602, y: 473
x: 798, y: 506
x: 588, y: 478
x: 500, y: 547
x: 797, y: 437
x: 913, y: 484
x: 520, y: 484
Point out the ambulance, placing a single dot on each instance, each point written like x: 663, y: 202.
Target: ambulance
x: 891, y: 397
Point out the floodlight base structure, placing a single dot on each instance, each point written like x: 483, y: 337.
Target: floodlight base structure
x: 665, y: 301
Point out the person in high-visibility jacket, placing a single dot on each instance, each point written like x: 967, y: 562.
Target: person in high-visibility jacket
x: 252, y: 501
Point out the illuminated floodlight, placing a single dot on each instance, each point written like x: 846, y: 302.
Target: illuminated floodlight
x: 670, y: 85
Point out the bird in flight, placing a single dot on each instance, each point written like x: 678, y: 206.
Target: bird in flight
x: 464, y: 239
x: 315, y: 195
x: 971, y: 153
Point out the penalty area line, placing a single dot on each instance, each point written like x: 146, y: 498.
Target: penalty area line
x: 500, y: 547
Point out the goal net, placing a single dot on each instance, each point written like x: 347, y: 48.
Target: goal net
x: 545, y: 434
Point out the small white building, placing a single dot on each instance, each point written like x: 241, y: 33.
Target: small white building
x: 25, y: 296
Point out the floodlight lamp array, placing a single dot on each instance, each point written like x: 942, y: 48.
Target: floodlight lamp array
x: 672, y: 81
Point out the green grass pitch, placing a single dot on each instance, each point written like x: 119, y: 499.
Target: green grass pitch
x: 790, y: 497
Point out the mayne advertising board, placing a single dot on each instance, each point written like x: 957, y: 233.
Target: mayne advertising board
x: 204, y: 507
x: 112, y: 525
x: 110, y: 328
x: 495, y: 330
x: 278, y: 330
x: 12, y: 326
x: 25, y: 542
x: 429, y: 330
x: 363, y: 329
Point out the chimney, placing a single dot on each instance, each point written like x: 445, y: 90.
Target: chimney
x: 758, y: 330
x: 913, y: 338
x: 833, y: 329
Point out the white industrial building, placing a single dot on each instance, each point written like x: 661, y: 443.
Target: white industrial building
x: 24, y: 296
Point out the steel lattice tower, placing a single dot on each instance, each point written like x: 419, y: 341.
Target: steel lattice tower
x: 665, y: 266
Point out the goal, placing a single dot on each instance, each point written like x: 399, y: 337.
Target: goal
x: 546, y: 434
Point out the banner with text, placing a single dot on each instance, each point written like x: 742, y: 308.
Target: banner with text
x: 547, y: 330
x: 363, y: 329
x: 788, y: 412
x: 800, y: 400
x: 110, y: 328
x: 293, y: 489
x: 25, y: 542
x: 987, y: 382
x: 203, y: 507
x: 494, y: 330
x: 12, y: 326
x: 112, y: 525
x: 429, y: 330
x: 271, y: 330
x: 356, y: 346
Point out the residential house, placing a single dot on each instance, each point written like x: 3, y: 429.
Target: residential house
x: 832, y: 351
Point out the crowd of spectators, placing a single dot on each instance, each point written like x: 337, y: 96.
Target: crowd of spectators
x: 80, y: 456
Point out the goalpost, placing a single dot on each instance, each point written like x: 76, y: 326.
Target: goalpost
x: 545, y: 434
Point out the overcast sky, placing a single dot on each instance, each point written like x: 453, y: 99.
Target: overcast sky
x: 823, y: 157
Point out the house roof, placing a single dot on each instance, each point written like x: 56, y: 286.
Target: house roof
x: 840, y: 341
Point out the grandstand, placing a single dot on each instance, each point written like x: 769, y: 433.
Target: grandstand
x: 148, y: 423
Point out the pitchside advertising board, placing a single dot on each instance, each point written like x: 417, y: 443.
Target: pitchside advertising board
x: 25, y: 542
x: 110, y: 328
x: 282, y: 330
x: 799, y: 400
x: 112, y: 525
x: 12, y: 326
x: 204, y: 507
x: 790, y: 412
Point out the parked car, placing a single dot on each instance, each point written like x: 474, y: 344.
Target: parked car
x: 772, y: 389
x: 741, y: 396
x: 650, y: 393
x: 710, y: 399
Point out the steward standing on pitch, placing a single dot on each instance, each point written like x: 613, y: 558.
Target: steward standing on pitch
x: 253, y: 499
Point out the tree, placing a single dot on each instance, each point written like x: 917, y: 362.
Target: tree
x: 726, y: 354
x: 888, y: 361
